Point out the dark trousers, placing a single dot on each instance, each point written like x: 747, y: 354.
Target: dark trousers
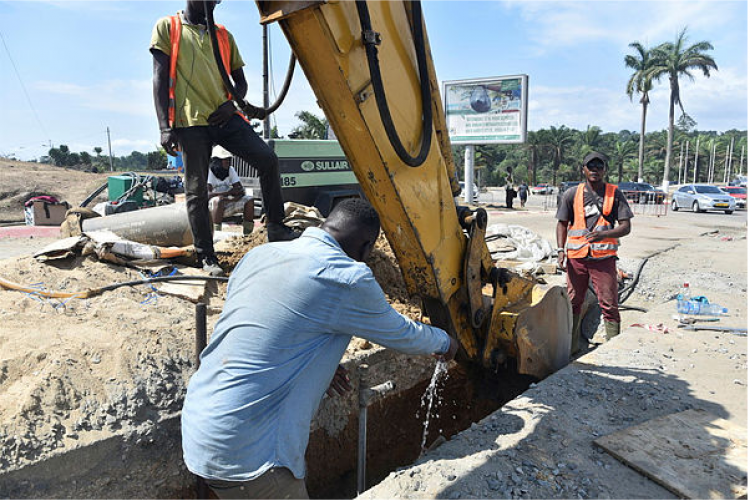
x: 509, y: 195
x: 603, y: 275
x: 278, y: 482
x: 239, y: 138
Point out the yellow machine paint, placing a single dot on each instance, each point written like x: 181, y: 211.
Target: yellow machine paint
x: 441, y: 262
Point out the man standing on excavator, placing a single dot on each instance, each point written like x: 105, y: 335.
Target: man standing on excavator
x: 587, y: 235
x: 248, y: 408
x: 195, y: 112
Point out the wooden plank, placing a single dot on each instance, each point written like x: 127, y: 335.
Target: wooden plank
x: 693, y: 454
x: 189, y: 290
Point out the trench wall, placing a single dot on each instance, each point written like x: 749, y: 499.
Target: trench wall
x: 125, y: 465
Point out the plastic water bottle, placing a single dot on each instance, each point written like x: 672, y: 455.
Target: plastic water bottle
x: 684, y: 293
x: 700, y: 308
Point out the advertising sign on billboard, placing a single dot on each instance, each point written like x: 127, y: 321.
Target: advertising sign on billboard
x: 487, y: 110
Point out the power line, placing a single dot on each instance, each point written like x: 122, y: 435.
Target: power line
x: 23, y: 87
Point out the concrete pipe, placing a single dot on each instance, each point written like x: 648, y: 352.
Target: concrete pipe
x: 163, y: 226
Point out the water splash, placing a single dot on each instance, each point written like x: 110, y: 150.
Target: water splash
x: 430, y: 397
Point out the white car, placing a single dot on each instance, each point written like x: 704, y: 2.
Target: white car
x: 702, y: 197
x: 462, y: 196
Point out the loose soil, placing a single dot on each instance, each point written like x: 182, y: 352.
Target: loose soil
x: 75, y: 371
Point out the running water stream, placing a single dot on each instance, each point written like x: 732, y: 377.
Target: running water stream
x: 430, y: 397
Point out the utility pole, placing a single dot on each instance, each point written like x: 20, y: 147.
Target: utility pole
x: 687, y: 161
x: 679, y: 170
x: 267, y: 119
x: 695, y: 165
x: 109, y: 145
x: 731, y: 153
x: 726, y: 162
x: 469, y: 174
x: 712, y: 166
x: 742, y: 159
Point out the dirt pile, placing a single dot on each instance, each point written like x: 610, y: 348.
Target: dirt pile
x: 23, y: 180
x: 75, y: 371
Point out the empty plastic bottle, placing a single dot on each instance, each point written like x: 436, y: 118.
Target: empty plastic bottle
x: 684, y: 293
x: 700, y: 308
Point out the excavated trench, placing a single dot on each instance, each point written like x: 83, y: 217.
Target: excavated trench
x: 395, y: 428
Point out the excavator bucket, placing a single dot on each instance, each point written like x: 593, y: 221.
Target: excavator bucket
x: 531, y: 322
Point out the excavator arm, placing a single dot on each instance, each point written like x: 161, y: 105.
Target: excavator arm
x: 370, y: 67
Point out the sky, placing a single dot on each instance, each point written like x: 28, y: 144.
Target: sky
x: 71, y: 69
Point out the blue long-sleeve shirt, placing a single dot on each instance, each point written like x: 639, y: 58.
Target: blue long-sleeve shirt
x: 290, y: 313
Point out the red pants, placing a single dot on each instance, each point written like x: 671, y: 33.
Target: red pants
x: 603, y: 275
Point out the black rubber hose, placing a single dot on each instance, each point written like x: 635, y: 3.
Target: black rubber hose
x: 370, y: 39
x: 250, y: 110
x: 94, y: 194
x: 626, y: 292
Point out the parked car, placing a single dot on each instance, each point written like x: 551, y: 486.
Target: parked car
x: 462, y: 196
x: 702, y: 197
x: 738, y: 193
x: 543, y: 188
x: 740, y: 180
x: 564, y: 186
x: 642, y: 192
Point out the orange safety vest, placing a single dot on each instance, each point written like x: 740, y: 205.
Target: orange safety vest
x: 576, y: 245
x: 175, y: 33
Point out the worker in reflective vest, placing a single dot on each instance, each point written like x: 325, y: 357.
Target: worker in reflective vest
x: 591, y: 219
x: 195, y: 112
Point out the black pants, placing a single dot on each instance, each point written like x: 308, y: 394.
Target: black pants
x: 239, y: 138
x: 509, y: 195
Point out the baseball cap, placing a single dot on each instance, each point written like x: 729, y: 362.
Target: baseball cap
x: 594, y: 155
x: 220, y: 153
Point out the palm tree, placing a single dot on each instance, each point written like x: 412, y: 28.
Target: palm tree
x: 590, y: 140
x: 639, y: 82
x: 558, y: 140
x: 623, y: 151
x: 534, y: 145
x: 312, y: 127
x: 675, y: 60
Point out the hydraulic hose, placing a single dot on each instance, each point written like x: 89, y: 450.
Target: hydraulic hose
x: 371, y: 40
x: 92, y: 292
x: 93, y: 195
x: 250, y: 110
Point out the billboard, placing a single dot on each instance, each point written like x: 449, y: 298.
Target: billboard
x: 487, y: 110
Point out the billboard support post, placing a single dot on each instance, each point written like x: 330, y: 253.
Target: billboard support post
x: 469, y: 174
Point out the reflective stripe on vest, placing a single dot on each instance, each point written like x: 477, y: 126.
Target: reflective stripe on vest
x: 175, y: 33
x: 577, y: 247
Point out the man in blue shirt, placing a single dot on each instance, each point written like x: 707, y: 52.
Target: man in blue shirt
x: 290, y: 313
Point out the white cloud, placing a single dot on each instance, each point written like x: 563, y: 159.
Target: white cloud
x: 559, y: 25
x: 716, y: 103
x: 130, y: 97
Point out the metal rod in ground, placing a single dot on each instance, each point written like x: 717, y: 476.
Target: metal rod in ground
x: 362, y: 441
x: 200, y: 332
x: 201, y: 488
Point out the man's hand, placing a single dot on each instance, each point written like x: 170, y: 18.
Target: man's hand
x: 561, y: 260
x: 222, y: 114
x: 340, y: 383
x: 169, y: 141
x: 595, y: 236
x: 451, y: 353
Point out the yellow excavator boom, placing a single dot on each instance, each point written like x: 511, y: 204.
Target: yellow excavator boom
x: 440, y: 247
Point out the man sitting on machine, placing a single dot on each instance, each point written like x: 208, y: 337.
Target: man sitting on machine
x: 226, y: 196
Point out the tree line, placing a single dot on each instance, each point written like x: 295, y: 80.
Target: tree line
x: 62, y: 156
x: 554, y: 155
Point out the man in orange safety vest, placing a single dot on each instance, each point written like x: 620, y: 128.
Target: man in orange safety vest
x: 196, y: 112
x: 591, y: 217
